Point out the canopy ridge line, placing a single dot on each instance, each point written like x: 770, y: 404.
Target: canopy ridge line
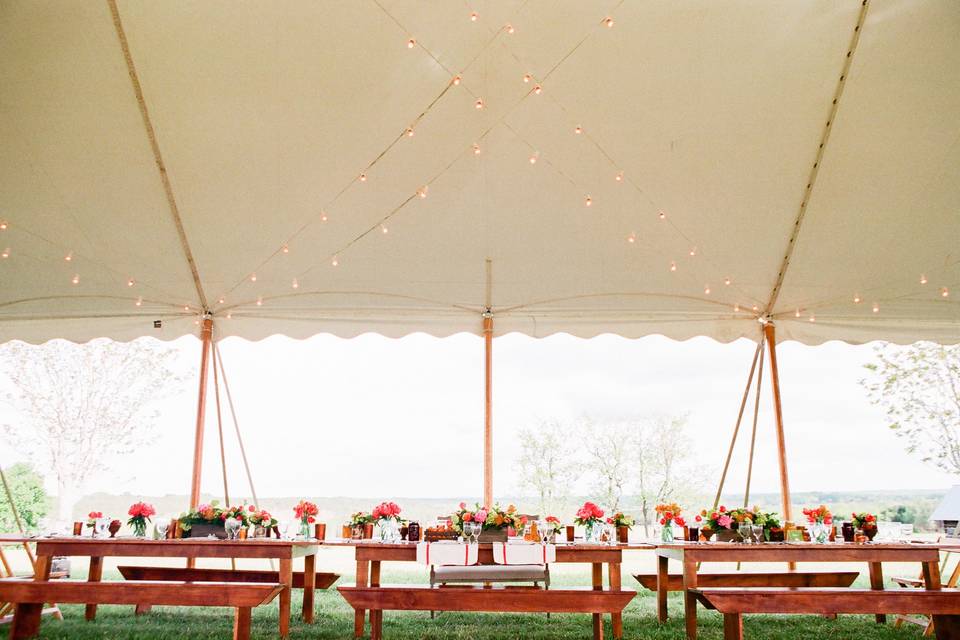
x: 818, y: 159
x: 736, y: 428
x: 155, y: 147
x: 223, y: 454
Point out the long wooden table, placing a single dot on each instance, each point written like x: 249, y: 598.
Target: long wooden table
x: 370, y: 554
x: 263, y: 548
x: 691, y: 554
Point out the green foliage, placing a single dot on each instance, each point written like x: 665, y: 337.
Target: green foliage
x: 915, y: 514
x: 26, y: 485
x: 919, y: 389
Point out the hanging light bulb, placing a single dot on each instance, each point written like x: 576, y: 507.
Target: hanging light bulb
x: 662, y: 215
x: 295, y: 284
x: 473, y: 16
x: 736, y: 308
x: 75, y: 279
x: 619, y: 176
x: 285, y: 249
x: 673, y: 266
x: 422, y: 191
x: 534, y: 157
x: 383, y: 229
x: 229, y: 315
x: 139, y: 301
x: 509, y: 28
x: 588, y: 201
x: 527, y: 77
x: 796, y: 314
x: 131, y: 282
x: 409, y: 132
x: 856, y: 299
x: 632, y: 238
x: 693, y: 251
x: 813, y: 318
x: 220, y: 300
x: 363, y: 177
x: 578, y: 130
x: 727, y: 281
x: 3, y: 225
x: 755, y: 308
x: 478, y: 104
x: 876, y: 308
x: 944, y: 292
x: 476, y: 149
x: 323, y: 216
x: 5, y: 253
x: 706, y: 289
x: 335, y: 262
x: 456, y: 80
x: 923, y: 279
x: 68, y: 257
x: 253, y: 277
x: 608, y: 21
x: 411, y: 43
x: 259, y: 301
x: 186, y: 307
x: 537, y: 89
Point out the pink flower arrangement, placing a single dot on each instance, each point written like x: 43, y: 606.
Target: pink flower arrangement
x: 305, y: 512
x: 386, y: 511
x: 589, y: 513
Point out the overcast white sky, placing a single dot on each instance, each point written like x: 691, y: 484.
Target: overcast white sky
x: 373, y: 416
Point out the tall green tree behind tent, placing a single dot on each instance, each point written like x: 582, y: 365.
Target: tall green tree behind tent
x: 26, y: 487
x: 918, y: 387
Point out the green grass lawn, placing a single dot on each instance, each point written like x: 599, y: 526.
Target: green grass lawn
x: 335, y: 620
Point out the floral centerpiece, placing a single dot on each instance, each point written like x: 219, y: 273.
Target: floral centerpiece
x: 494, y: 522
x: 770, y: 521
x: 719, y: 522
x: 821, y: 523
x: 623, y: 524
x: 261, y: 520
x: 387, y: 516
x: 669, y: 516
x: 590, y: 517
x: 866, y: 522
x: 92, y: 518
x: 358, y: 524
x: 206, y: 519
x: 306, y: 513
x: 140, y: 514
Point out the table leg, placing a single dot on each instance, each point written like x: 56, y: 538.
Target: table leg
x: 26, y: 620
x: 931, y: 575
x: 613, y: 577
x: 876, y: 583
x: 309, y: 584
x: 732, y: 626
x: 597, y: 578
x: 286, y: 579
x: 663, y: 578
x: 690, y: 600
x: 96, y: 572
x: 359, y: 616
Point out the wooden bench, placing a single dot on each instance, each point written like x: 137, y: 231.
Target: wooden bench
x: 498, y: 599
x: 734, y: 602
x: 29, y: 596
x: 752, y: 579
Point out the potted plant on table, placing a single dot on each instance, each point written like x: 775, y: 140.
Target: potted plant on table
x: 669, y: 516
x: 261, y: 520
x: 866, y: 522
x: 306, y: 513
x: 821, y: 523
x: 140, y: 514
x: 590, y: 517
x: 494, y: 522
x: 623, y: 524
x: 770, y: 521
x: 359, y: 522
x: 555, y: 527
x: 203, y: 521
x: 386, y: 516
x: 719, y: 523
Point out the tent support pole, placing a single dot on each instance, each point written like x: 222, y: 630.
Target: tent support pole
x: 753, y: 434
x: 206, y: 333
x: 223, y: 454
x: 488, y: 411
x: 770, y: 333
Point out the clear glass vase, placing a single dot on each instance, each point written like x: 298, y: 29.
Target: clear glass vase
x: 819, y: 532
x: 666, y: 532
x: 140, y: 529
x: 304, y: 529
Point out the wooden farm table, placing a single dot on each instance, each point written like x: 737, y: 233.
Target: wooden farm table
x: 369, y: 555
x: 99, y: 548
x: 690, y: 554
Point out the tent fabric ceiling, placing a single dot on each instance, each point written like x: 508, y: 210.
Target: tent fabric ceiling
x: 690, y: 130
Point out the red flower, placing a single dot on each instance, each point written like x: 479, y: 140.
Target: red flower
x: 698, y: 519
x: 93, y: 515
x: 311, y: 519
x: 680, y: 522
x: 722, y: 508
x: 252, y: 508
x: 663, y: 521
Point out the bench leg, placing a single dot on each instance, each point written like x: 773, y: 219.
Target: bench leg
x: 359, y: 616
x: 732, y: 626
x: 597, y: 577
x: 876, y: 582
x: 26, y: 620
x: 241, y: 623
x: 286, y: 578
x: 94, y: 575
x: 309, y: 584
x: 662, y: 582
x: 376, y: 625
x: 616, y: 619
x: 142, y: 609
x: 947, y: 627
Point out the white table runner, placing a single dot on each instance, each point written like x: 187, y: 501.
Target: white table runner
x: 506, y: 553
x: 447, y: 553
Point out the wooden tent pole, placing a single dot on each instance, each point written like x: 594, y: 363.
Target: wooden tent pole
x: 736, y: 428
x: 753, y: 434
x: 223, y: 453
x: 206, y: 334
x: 770, y: 334
x: 488, y: 412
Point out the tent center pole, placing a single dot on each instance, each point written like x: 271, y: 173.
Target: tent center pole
x: 206, y: 333
x: 488, y: 411
x: 770, y: 334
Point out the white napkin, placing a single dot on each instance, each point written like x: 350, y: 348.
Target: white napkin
x: 446, y: 553
x: 524, y: 553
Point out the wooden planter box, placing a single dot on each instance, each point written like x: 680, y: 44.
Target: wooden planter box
x: 203, y: 529
x: 493, y: 535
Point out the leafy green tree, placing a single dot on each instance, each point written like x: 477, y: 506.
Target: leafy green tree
x: 919, y: 389
x: 918, y: 515
x: 26, y: 486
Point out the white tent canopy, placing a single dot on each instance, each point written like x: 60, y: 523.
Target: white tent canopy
x: 691, y: 131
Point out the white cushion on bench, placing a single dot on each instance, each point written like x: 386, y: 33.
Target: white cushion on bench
x: 491, y: 573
